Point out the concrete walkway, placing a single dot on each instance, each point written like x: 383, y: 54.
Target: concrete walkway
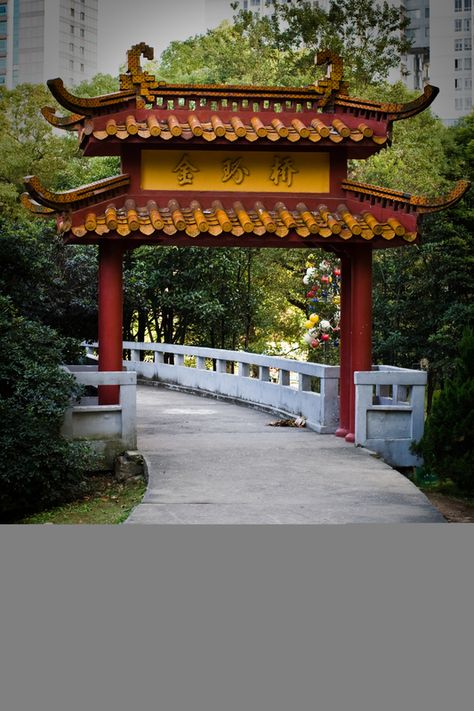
x: 213, y: 462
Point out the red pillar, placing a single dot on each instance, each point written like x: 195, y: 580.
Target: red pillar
x: 345, y: 357
x: 110, y: 316
x: 361, y: 330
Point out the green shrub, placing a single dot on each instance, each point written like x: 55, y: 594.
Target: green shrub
x: 447, y: 446
x: 38, y: 467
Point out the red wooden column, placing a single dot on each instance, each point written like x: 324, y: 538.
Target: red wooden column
x: 361, y: 329
x: 345, y: 357
x: 110, y: 316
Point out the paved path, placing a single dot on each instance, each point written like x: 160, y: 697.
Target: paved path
x: 215, y: 462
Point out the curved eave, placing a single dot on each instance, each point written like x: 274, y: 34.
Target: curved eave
x: 69, y: 123
x: 389, y: 111
x: 397, y: 198
x: 95, y: 106
x: 77, y: 198
x: 34, y: 207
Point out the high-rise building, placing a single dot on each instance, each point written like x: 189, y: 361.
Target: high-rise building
x: 42, y: 39
x: 450, y: 63
x: 441, y: 32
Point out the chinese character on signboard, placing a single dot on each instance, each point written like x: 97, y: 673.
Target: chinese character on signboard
x: 185, y: 170
x: 283, y: 170
x: 232, y: 169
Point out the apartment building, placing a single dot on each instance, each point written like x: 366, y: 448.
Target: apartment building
x: 41, y: 39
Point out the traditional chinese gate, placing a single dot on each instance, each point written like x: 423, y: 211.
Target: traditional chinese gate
x: 224, y: 166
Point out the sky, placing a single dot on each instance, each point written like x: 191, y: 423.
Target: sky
x: 123, y: 23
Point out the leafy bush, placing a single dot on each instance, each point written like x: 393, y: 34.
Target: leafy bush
x: 38, y: 467
x: 447, y: 445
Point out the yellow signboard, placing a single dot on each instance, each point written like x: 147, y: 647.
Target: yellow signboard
x: 259, y: 171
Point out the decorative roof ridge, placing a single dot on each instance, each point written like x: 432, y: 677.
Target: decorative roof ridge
x: 77, y: 197
x: 417, y: 203
x: 139, y: 88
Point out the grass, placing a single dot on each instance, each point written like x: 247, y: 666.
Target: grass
x: 107, y: 501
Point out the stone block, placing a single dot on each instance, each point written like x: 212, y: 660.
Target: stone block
x: 129, y: 465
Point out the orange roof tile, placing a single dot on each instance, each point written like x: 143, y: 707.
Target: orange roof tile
x: 195, y: 219
x: 232, y: 129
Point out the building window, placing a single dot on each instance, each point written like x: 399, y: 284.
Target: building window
x: 467, y: 24
x: 3, y: 9
x: 467, y: 102
x: 83, y: 17
x: 468, y: 43
x: 467, y: 4
x: 82, y: 51
x: 427, y: 12
x: 467, y: 63
x: 468, y: 83
x: 71, y: 46
x: 82, y: 32
x: 457, y: 25
x: 82, y: 67
x: 458, y: 104
x: 72, y: 29
x: 457, y: 65
x: 457, y: 84
x: 457, y: 5
x: 458, y: 45
x: 73, y: 12
x: 71, y: 64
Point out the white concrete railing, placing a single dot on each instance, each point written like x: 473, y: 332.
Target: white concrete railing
x: 109, y: 429
x: 390, y: 412
x: 311, y: 392
x: 389, y: 400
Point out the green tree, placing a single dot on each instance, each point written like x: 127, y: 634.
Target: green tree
x: 423, y: 293
x: 447, y: 445
x: 48, y: 281
x: 38, y: 467
x: 370, y: 37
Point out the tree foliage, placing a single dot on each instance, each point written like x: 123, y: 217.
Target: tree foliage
x: 38, y: 467
x: 447, y: 446
x: 368, y: 36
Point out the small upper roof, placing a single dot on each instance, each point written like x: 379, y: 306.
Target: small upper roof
x: 149, y: 110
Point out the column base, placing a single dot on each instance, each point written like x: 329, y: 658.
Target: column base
x: 350, y: 437
x: 341, y: 432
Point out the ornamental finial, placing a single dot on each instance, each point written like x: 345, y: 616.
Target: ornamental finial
x: 135, y: 77
x: 333, y: 85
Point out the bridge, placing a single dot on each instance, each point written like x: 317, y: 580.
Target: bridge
x: 211, y: 460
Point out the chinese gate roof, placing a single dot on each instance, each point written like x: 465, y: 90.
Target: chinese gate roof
x: 148, y: 110
x: 104, y: 208
x: 143, y: 204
